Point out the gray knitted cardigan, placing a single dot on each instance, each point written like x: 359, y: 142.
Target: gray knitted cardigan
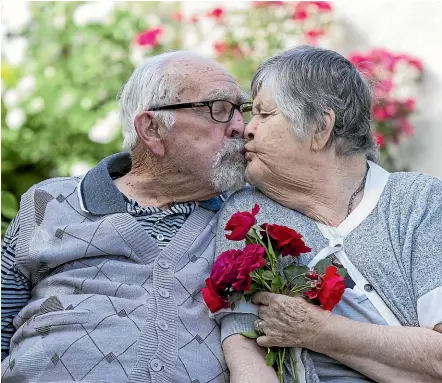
x: 107, y: 305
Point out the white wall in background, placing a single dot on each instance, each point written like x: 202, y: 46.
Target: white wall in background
x: 414, y: 27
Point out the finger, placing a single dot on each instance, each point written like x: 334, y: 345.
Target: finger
x: 263, y: 312
x: 262, y: 298
x: 264, y: 341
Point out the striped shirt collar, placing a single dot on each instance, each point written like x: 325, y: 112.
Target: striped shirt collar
x: 98, y: 194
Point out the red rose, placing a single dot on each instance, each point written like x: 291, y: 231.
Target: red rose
x: 233, y: 267
x: 252, y: 258
x: 240, y: 223
x: 149, y: 37
x: 223, y: 272
x: 213, y: 300
x: 331, y: 289
x: 286, y: 240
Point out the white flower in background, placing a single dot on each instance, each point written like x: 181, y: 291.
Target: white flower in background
x: 36, y: 105
x: 15, y: 15
x: 168, y: 35
x: 11, y: 98
x: 80, y: 168
x: 26, y: 85
x: 49, y: 72
x: 105, y: 129
x: 15, y: 118
x: 153, y: 19
x: 136, y: 55
x: 66, y: 101
x: 14, y: 50
x: 86, y: 103
x: 96, y: 12
x: 59, y: 22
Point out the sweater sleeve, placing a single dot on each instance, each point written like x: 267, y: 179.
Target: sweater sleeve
x: 16, y: 289
x: 424, y: 238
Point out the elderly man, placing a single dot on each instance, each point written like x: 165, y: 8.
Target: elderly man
x: 101, y: 275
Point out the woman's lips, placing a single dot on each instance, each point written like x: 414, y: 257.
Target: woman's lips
x: 248, y: 156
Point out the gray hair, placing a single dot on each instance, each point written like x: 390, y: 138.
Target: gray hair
x: 305, y: 81
x: 148, y: 86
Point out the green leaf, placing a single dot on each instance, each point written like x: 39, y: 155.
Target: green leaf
x: 268, y: 275
x: 250, y: 334
x: 271, y: 357
x: 322, y: 265
x: 342, y: 272
x: 295, y: 274
x: 9, y: 204
x: 277, y: 284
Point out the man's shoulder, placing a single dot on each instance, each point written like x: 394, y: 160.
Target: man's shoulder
x: 59, y: 185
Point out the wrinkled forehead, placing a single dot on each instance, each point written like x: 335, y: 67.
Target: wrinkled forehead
x: 264, y: 99
x: 204, y: 80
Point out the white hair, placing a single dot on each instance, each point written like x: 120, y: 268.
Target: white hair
x: 149, y: 86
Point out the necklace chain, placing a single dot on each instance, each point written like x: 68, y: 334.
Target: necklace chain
x: 358, y: 190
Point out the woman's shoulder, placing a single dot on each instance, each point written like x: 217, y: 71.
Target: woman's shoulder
x: 413, y: 186
x: 247, y: 197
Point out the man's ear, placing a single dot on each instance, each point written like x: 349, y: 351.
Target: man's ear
x: 147, y: 128
x: 322, y: 135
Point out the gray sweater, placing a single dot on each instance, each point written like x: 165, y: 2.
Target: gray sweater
x: 396, y: 247
x: 107, y: 304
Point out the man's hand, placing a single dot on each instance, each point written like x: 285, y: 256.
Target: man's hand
x: 288, y: 321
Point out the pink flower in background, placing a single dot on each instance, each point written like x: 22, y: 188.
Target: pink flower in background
x: 380, y: 139
x: 405, y: 126
x: 194, y: 19
x: 313, y: 35
x: 178, y: 16
x: 149, y: 37
x: 216, y: 13
x: 300, y: 15
x: 409, y: 105
x: 265, y: 4
x: 379, y: 113
x: 220, y: 47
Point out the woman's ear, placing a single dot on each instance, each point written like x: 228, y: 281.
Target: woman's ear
x: 322, y: 135
x: 147, y: 127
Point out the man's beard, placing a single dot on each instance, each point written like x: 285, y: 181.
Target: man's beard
x: 229, y: 166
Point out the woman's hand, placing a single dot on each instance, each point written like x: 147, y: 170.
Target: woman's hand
x: 289, y: 321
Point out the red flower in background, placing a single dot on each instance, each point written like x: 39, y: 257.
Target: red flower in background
x: 380, y: 139
x: 409, y: 105
x: 240, y: 223
x: 149, y: 37
x: 287, y: 240
x: 330, y: 290
x: 216, y: 13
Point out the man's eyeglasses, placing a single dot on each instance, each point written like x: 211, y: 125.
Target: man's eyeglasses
x: 220, y: 110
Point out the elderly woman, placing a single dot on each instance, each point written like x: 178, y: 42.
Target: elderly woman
x: 312, y: 160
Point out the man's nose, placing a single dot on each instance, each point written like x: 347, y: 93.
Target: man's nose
x: 236, y: 126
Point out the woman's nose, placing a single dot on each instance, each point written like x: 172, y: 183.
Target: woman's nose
x: 249, y: 131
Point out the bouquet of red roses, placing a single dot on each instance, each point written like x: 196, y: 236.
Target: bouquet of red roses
x: 241, y: 273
